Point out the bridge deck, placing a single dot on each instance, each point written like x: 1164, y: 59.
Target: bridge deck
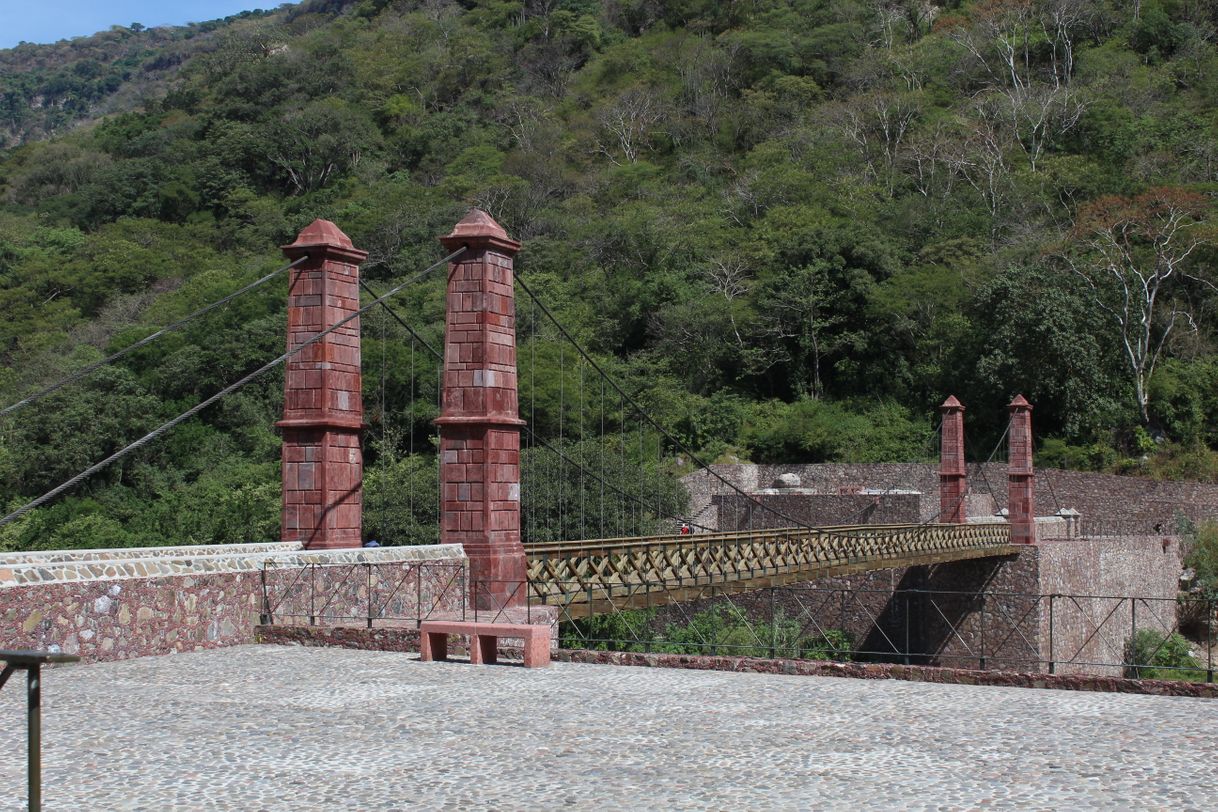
x: 608, y: 574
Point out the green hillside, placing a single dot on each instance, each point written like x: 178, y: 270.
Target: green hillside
x: 791, y: 228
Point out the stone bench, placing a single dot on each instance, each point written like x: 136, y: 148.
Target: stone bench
x: 484, y: 640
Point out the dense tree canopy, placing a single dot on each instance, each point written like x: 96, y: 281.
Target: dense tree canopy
x: 789, y: 227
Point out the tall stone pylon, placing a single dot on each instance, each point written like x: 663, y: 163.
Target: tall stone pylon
x: 479, y: 416
x: 953, y: 479
x: 323, y: 410
x: 1021, y: 477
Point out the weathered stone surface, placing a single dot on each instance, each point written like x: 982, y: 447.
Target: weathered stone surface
x: 287, y: 728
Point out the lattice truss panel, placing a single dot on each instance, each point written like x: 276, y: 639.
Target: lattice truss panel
x: 571, y: 572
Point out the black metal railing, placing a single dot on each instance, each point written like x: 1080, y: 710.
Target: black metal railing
x: 988, y: 630
x: 387, y: 594
x: 382, y: 593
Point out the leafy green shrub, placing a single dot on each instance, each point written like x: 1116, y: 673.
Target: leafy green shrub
x: 1153, y: 655
x: 1057, y: 453
x: 823, y: 431
x: 1202, y: 558
x: 628, y: 630
x: 834, y: 644
x: 721, y: 629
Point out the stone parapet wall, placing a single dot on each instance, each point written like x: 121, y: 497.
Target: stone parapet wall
x: 133, y: 617
x: 114, y: 609
x: 44, y: 557
x: 137, y: 562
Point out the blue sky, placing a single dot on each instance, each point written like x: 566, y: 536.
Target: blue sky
x: 52, y: 20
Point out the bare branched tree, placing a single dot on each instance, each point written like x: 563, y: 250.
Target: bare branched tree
x: 627, y: 125
x: 1134, y: 255
x: 877, y: 124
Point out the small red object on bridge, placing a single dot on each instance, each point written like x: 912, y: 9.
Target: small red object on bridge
x: 484, y: 641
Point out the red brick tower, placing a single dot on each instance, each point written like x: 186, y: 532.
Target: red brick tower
x: 479, y: 418
x: 1021, y: 507
x: 953, y: 480
x: 323, y: 411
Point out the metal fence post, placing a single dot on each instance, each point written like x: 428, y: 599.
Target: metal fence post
x: 1209, y: 640
x: 907, y: 628
x: 312, y: 594
x: 368, y: 567
x: 1133, y: 632
x: 774, y: 626
x: 266, y: 618
x: 981, y: 652
x: 1052, y: 662
x: 33, y: 681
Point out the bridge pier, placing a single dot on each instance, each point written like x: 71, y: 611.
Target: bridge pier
x: 323, y: 410
x: 479, y: 417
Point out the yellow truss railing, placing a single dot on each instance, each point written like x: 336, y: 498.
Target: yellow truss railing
x: 653, y: 570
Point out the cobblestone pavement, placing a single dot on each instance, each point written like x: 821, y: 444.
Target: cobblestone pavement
x: 277, y: 728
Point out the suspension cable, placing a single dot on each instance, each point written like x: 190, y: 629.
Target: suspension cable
x: 189, y: 413
x: 675, y: 441
x: 401, y: 321
x: 537, y: 440
x: 169, y: 328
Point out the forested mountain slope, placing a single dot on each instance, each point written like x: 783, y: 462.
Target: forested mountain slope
x: 791, y: 227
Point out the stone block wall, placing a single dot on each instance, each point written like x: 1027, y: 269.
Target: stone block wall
x: 116, y: 604
x: 114, y: 619
x: 1117, y: 586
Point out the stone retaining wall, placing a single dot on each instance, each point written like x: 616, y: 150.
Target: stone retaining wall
x: 111, y: 605
x: 1047, y: 602
x: 1124, y: 502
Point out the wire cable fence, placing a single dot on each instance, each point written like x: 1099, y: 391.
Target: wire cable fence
x: 990, y: 629
x: 1127, y: 636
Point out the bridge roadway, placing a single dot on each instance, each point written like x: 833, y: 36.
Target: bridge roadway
x: 608, y: 574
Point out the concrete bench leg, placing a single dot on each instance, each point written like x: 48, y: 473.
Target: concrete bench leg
x: 488, y: 647
x: 433, y: 646
x: 536, y: 652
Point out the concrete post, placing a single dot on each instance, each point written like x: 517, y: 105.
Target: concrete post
x: 323, y: 411
x: 953, y: 479
x: 1021, y: 477
x: 479, y: 417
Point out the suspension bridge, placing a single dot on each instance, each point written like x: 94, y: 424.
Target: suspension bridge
x: 560, y: 489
